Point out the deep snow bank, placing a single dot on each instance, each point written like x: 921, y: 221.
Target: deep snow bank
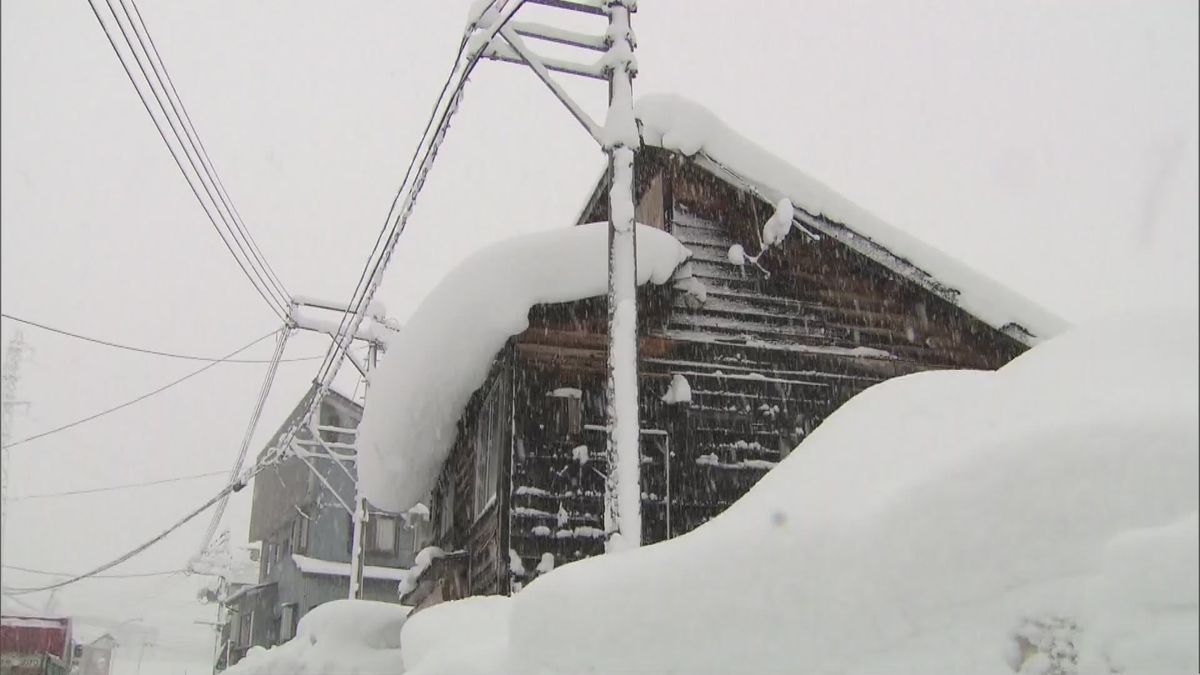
x: 942, y: 522
x: 446, y: 348
x: 342, y: 637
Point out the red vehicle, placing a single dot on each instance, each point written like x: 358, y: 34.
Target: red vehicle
x: 31, y: 645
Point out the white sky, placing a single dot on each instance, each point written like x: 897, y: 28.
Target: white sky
x: 1053, y: 146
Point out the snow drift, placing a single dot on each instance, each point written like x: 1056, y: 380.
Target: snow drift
x: 447, y: 346
x: 675, y: 123
x: 960, y: 521
x: 1039, y: 519
x: 346, y: 637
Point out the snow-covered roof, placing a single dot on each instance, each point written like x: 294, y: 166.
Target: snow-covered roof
x: 447, y: 347
x: 332, y: 568
x: 675, y: 123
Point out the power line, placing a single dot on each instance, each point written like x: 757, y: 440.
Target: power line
x: 112, y: 488
x: 228, y: 489
x: 272, y: 302
x: 263, y: 392
x: 94, y: 576
x: 369, y: 278
x: 139, y: 398
x: 234, y: 227
x: 143, y: 350
x: 185, y: 144
x: 392, y: 228
x: 198, y: 145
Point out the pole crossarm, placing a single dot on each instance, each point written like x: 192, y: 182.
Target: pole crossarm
x: 539, y: 67
x: 539, y: 31
x: 500, y: 52
x: 584, y: 7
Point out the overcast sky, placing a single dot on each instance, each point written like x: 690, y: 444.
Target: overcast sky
x: 1051, y: 145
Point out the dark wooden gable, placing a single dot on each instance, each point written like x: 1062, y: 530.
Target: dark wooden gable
x: 768, y: 356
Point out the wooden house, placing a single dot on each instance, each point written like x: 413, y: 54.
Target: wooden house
x: 754, y: 358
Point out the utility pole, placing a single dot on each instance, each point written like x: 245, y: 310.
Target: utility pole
x: 619, y: 138
x: 623, y: 494
x: 361, y: 515
x: 8, y: 404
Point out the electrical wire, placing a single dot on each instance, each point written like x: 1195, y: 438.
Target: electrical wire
x: 189, y: 129
x: 113, y: 488
x: 171, y: 121
x: 272, y: 302
x: 395, y: 221
x: 143, y: 350
x: 263, y: 392
x: 276, y: 293
x: 139, y: 398
x: 228, y: 489
x: 360, y: 290
x: 94, y: 576
x: 368, y: 279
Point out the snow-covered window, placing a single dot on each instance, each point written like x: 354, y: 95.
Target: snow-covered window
x: 491, y: 436
x: 287, y: 622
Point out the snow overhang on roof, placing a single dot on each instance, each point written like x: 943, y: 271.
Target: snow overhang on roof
x: 677, y: 124
x: 448, y: 345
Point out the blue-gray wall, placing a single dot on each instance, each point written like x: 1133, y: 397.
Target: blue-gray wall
x: 289, y: 491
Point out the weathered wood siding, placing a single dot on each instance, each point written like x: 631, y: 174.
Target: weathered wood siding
x: 479, y: 534
x: 768, y: 356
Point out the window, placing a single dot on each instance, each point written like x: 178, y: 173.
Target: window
x: 419, y: 531
x: 381, y: 534
x: 235, y: 627
x: 492, y: 427
x: 287, y: 622
x: 247, y: 629
x: 564, y: 412
x: 443, y: 501
x: 574, y: 416
x: 269, y: 560
x: 300, y: 533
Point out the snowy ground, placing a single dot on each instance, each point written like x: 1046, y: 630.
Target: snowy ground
x: 1040, y: 519
x: 346, y: 637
